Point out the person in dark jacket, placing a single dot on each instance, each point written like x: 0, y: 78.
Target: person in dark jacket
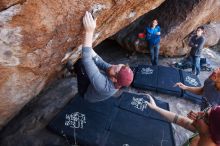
x: 197, y: 43
x: 153, y: 39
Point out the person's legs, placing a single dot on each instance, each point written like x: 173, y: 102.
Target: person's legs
x: 197, y: 60
x: 156, y: 54
x: 82, y: 78
x: 193, y: 64
x: 151, y: 47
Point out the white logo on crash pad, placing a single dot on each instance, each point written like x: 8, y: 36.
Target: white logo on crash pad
x: 139, y: 103
x: 147, y: 71
x: 191, y: 81
x: 75, y: 120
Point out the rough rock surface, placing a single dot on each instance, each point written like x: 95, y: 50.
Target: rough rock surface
x: 177, y: 18
x: 29, y: 127
x: 212, y: 33
x: 34, y: 36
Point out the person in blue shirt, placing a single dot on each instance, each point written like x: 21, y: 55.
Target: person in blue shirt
x: 153, y: 39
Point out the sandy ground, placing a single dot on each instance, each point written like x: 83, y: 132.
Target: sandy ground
x: 114, y: 54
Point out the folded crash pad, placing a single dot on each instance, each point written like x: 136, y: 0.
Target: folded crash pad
x: 191, y: 80
x: 162, y: 79
x: 134, y: 129
x: 157, y: 78
x: 84, y: 122
x: 146, y: 77
x: 135, y: 124
x: 167, y: 78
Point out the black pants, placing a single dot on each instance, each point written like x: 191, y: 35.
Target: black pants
x: 82, y: 78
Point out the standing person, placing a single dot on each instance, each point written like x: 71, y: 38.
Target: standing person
x: 197, y: 43
x: 97, y: 79
x: 204, y: 124
x: 153, y: 39
x: 210, y: 91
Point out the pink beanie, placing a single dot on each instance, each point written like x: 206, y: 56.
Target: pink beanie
x: 125, y: 76
x: 214, y: 124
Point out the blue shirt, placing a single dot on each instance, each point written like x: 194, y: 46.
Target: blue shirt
x: 151, y: 35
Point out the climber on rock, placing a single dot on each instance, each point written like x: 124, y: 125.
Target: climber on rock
x: 97, y: 79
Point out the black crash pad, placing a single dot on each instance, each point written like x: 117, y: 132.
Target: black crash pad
x: 134, y: 129
x: 192, y: 81
x: 115, y: 122
x: 167, y: 78
x: 135, y: 124
x: 157, y: 78
x: 118, y: 139
x: 146, y: 77
x: 128, y: 101
x: 162, y: 79
x: 97, y: 120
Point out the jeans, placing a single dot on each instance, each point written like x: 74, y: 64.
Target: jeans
x: 154, y: 53
x: 195, y: 65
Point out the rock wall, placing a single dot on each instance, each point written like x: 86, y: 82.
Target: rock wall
x: 34, y: 36
x: 177, y: 18
x: 29, y: 127
x: 212, y: 33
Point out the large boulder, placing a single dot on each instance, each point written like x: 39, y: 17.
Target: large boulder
x: 29, y: 127
x: 177, y: 18
x: 212, y: 33
x: 34, y: 36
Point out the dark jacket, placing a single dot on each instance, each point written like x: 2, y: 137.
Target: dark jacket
x: 197, y: 44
